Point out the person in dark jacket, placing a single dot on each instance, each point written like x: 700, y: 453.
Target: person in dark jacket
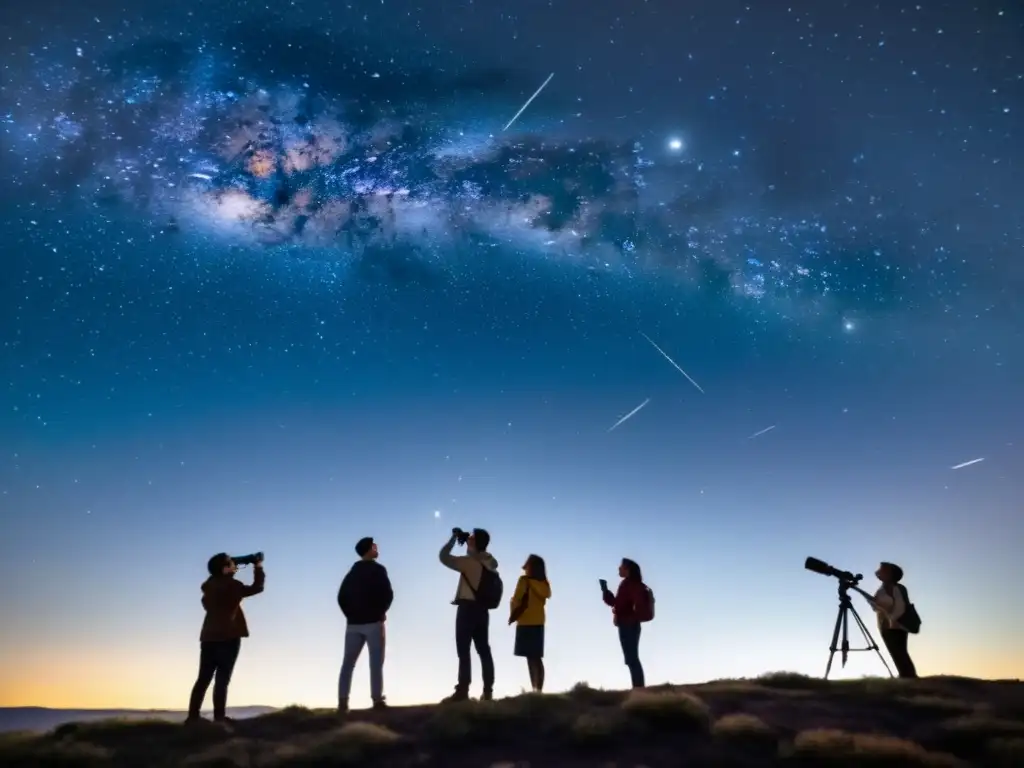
x: 364, y: 597
x: 624, y: 605
x: 221, y: 636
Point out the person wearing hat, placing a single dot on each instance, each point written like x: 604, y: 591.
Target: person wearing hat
x: 891, y: 601
x: 364, y: 597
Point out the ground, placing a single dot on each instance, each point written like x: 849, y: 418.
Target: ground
x: 779, y: 719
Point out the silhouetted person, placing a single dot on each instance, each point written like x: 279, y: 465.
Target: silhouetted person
x: 222, y: 632
x: 632, y: 604
x: 364, y: 597
x: 527, y: 611
x: 892, y: 598
x: 472, y: 617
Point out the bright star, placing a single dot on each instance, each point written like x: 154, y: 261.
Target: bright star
x: 676, y: 145
x: 848, y: 326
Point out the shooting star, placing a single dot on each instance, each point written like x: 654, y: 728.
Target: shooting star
x: 528, y: 101
x: 967, y: 463
x: 674, y: 363
x: 631, y: 414
x: 758, y: 434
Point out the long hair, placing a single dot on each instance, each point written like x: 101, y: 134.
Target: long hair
x: 536, y: 569
x: 633, y: 572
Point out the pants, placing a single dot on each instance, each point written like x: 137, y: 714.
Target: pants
x: 356, y: 636
x: 216, y: 663
x: 629, y: 639
x: 472, y: 627
x: 896, y: 643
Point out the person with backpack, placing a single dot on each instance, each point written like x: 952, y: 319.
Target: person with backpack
x: 365, y: 597
x: 527, y: 613
x: 897, y: 617
x: 478, y: 593
x: 632, y: 605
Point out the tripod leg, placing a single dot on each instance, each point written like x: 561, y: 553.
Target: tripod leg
x: 872, y: 645
x: 835, y: 640
x: 846, y: 633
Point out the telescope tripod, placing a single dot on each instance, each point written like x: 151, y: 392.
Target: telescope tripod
x: 842, y: 624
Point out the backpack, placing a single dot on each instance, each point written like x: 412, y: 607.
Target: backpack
x: 488, y: 591
x: 910, y: 620
x: 645, y: 608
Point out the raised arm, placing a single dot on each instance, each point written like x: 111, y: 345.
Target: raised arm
x: 258, y: 577
x: 448, y: 559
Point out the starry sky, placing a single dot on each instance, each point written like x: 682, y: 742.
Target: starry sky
x: 277, y: 276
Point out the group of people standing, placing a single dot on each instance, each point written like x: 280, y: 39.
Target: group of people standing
x: 366, y: 595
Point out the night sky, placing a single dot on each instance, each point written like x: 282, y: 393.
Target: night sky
x: 275, y: 278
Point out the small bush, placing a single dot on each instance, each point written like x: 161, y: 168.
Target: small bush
x: 236, y: 753
x: 743, y: 728
x: 970, y: 735
x: 599, y: 728
x: 351, y: 744
x: 841, y: 749
x: 599, y: 697
x: 501, y: 721
x: 792, y: 680
x: 670, y: 710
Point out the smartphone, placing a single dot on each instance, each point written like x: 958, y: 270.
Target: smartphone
x: 604, y: 584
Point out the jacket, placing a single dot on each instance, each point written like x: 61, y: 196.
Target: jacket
x: 470, y: 567
x: 365, y: 594
x: 222, y: 599
x: 890, y: 606
x: 624, y: 601
x: 539, y: 593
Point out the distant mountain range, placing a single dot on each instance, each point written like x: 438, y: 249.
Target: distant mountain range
x: 43, y: 719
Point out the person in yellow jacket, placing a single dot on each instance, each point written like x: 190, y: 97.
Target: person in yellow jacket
x: 527, y: 611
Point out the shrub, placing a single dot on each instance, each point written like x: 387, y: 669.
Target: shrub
x: 501, y: 721
x: 839, y: 748
x: 671, y: 710
x: 584, y: 694
x: 236, y: 753
x: 743, y: 728
x: 351, y: 744
x: 600, y: 728
x: 792, y: 680
x: 969, y: 735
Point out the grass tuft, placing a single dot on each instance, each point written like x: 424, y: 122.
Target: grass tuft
x: 44, y: 753
x: 599, y: 728
x: 968, y: 735
x: 351, y: 744
x: 236, y: 753
x: 743, y: 729
x: 598, y: 697
x: 668, y: 710
x: 839, y: 749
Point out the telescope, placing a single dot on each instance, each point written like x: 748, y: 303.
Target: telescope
x: 841, y: 634
x: 820, y: 566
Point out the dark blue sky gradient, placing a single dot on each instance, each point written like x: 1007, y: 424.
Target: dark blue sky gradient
x: 175, y: 385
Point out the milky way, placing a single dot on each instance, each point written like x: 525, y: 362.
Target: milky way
x: 386, y: 169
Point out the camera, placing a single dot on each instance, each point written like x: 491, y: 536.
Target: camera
x: 252, y: 559
x: 461, y: 536
x: 820, y: 566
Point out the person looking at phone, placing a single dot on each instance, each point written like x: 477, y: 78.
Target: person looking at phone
x: 220, y: 638
x: 632, y: 605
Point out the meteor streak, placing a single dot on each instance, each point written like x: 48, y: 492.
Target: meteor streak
x: 674, y: 363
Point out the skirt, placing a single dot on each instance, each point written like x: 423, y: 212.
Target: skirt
x: 530, y: 641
